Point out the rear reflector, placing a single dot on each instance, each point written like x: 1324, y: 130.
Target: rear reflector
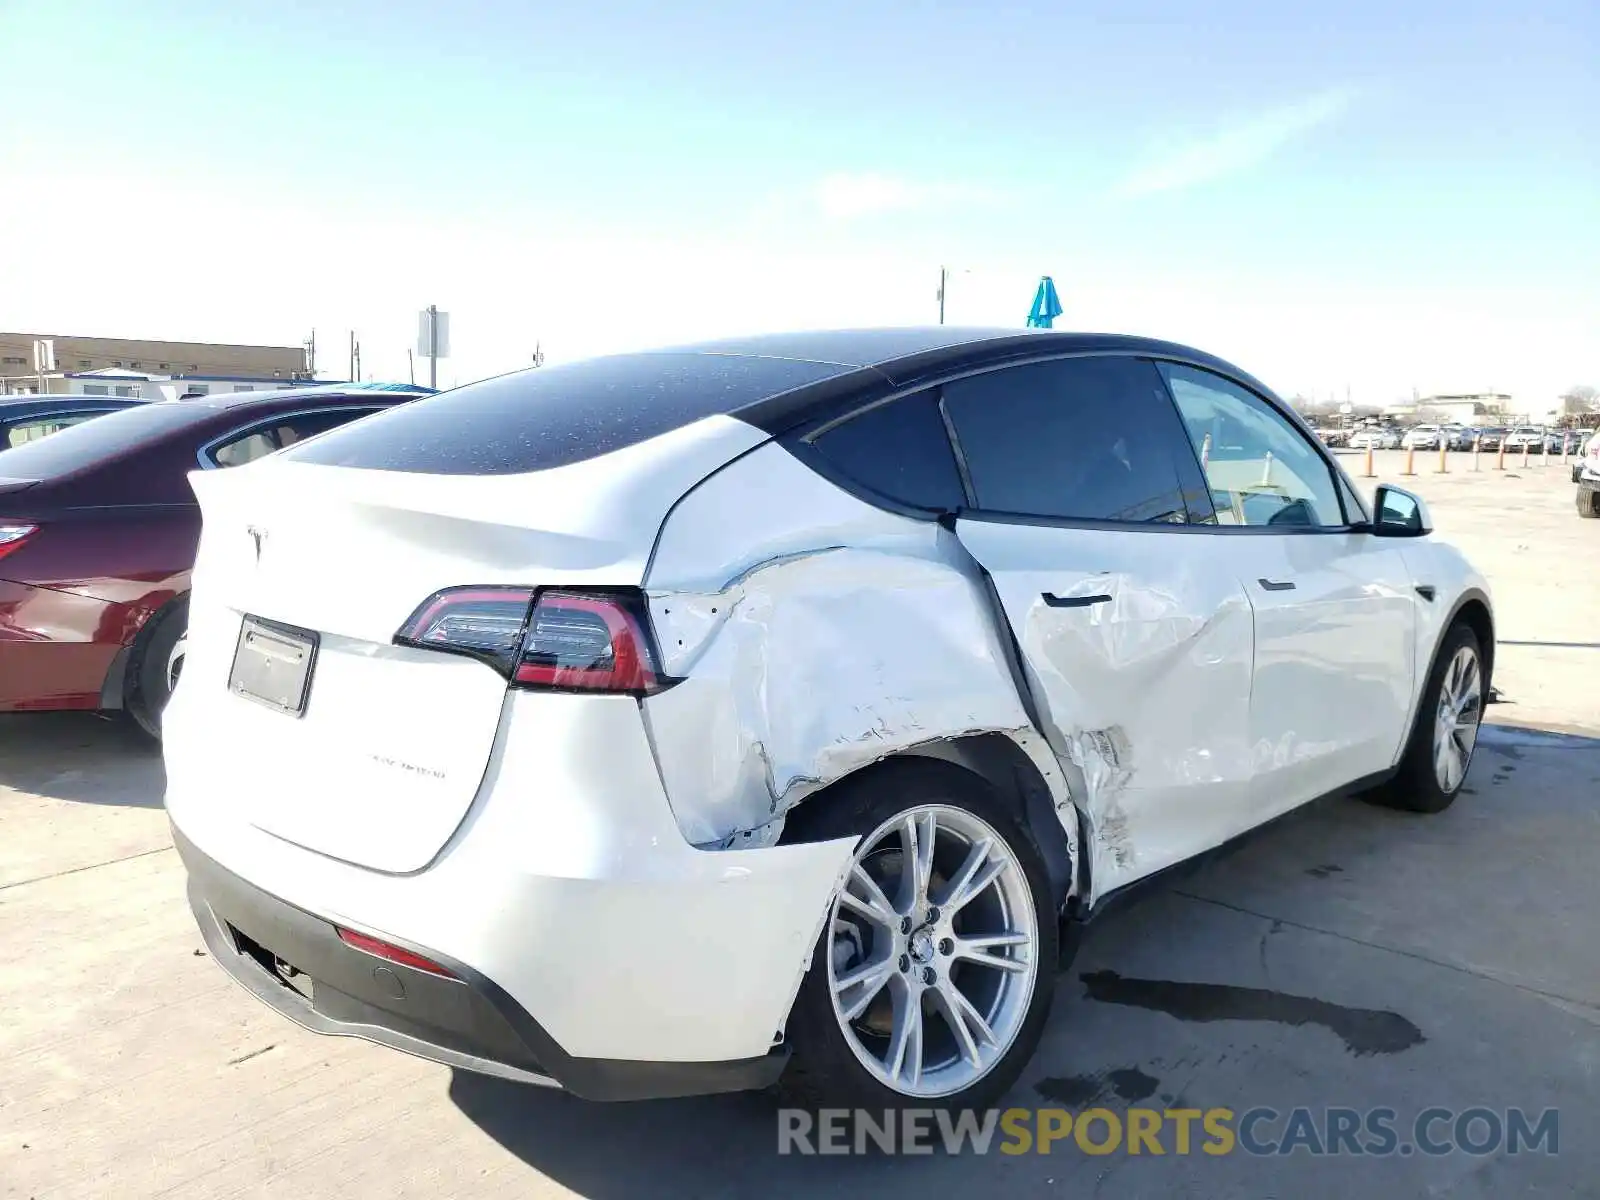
x: 391, y: 953
x: 13, y: 535
x: 566, y: 641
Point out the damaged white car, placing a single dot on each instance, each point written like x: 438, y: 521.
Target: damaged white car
x: 686, y: 721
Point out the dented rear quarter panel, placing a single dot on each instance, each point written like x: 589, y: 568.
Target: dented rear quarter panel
x: 814, y: 634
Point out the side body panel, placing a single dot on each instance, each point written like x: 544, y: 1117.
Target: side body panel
x: 81, y: 591
x: 1139, y: 649
x: 1335, y: 653
x: 815, y: 634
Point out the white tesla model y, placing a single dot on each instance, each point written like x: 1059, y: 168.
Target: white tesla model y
x: 776, y: 709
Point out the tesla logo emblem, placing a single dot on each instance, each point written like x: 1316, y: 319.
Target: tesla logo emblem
x: 258, y: 536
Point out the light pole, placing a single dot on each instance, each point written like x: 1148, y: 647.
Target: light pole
x: 944, y: 281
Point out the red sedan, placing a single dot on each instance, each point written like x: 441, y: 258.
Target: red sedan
x: 98, y: 528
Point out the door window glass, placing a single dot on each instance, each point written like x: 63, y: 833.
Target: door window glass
x: 1089, y: 439
x: 1259, y: 468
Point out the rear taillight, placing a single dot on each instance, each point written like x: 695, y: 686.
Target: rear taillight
x: 13, y: 535
x: 568, y: 641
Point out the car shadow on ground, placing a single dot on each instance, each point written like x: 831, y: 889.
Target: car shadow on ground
x: 712, y: 1146
x: 80, y: 757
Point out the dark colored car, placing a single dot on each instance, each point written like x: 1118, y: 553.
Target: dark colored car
x: 24, y: 418
x: 1492, y: 437
x: 98, y: 529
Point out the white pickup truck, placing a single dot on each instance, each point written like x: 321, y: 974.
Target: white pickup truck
x: 1587, y: 476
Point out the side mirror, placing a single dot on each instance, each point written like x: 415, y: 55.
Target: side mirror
x: 1399, y: 513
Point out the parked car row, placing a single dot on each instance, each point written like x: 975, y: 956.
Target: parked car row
x: 98, y: 529
x: 1537, y: 439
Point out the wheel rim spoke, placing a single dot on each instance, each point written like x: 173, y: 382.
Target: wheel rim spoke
x: 905, y: 1045
x: 964, y: 1021
x: 870, y: 978
x: 966, y: 952
x: 918, y: 833
x: 978, y: 885
x: 874, y: 905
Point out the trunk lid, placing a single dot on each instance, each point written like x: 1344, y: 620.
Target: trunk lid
x: 393, y: 742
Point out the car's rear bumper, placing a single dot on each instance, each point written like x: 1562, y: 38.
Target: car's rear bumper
x: 569, y: 885
x: 296, y: 963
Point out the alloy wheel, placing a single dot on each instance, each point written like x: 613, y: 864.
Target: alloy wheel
x: 933, y: 951
x: 175, y: 662
x: 1455, y: 728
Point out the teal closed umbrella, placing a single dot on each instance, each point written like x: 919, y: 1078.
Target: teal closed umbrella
x: 1046, y: 305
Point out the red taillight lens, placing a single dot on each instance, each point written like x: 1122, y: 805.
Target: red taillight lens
x: 592, y: 643
x: 13, y: 535
x: 572, y: 641
x: 391, y: 953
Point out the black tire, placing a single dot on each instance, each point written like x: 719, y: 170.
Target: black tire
x: 823, y: 1071
x: 1588, y: 502
x: 147, y: 692
x: 1416, y: 787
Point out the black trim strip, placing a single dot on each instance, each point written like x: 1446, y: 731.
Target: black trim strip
x: 1426, y: 591
x: 960, y: 452
x: 1276, y: 585
x: 1004, y: 518
x: 1055, y: 601
x: 1136, y: 889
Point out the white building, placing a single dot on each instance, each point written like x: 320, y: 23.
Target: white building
x: 119, y: 381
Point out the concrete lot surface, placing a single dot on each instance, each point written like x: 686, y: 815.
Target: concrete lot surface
x: 1349, y: 957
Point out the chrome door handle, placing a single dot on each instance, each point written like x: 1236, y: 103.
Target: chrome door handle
x: 1274, y: 585
x: 1055, y: 601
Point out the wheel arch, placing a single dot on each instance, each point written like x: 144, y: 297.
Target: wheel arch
x: 1011, y: 775
x: 1472, y: 608
x: 131, y: 657
x: 123, y: 672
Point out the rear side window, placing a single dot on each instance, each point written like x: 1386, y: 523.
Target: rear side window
x: 84, y: 445
x: 549, y: 417
x: 1087, y: 439
x: 269, y: 438
x: 899, y: 450
x: 32, y: 428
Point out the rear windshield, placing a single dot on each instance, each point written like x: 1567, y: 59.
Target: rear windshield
x: 551, y: 416
x: 93, y: 441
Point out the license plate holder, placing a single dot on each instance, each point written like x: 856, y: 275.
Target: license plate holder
x: 272, y: 665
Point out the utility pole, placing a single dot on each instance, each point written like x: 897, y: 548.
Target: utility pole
x: 944, y: 275
x: 352, y: 375
x: 311, y: 355
x: 411, y: 366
